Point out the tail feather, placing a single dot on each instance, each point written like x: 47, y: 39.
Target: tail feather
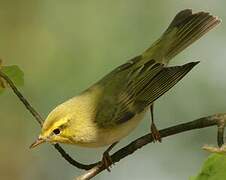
x: 185, y: 29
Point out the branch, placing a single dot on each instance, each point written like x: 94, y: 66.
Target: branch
x: 22, y: 99
x: 217, y: 119
x: 39, y: 119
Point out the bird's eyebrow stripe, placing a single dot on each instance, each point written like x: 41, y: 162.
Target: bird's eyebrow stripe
x: 58, y: 125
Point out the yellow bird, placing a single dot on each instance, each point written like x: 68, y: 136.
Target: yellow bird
x: 111, y: 108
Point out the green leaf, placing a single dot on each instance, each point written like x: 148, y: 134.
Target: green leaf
x: 213, y: 169
x: 14, y: 73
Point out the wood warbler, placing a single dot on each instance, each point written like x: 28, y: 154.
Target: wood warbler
x: 112, y: 107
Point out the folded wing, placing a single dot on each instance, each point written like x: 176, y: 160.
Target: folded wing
x: 131, y: 88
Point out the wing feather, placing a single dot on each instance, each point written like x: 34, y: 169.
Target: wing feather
x: 132, y: 87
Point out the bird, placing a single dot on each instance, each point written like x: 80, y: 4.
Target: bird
x: 111, y: 108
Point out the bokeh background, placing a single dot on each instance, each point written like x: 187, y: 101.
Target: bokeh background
x: 64, y: 46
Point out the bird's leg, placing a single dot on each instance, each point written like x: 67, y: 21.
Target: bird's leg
x: 154, y: 131
x: 106, y: 159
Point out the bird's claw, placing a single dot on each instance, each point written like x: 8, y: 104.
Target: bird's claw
x: 107, y: 161
x: 155, y: 133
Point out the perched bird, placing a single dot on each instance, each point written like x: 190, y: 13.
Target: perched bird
x: 112, y: 107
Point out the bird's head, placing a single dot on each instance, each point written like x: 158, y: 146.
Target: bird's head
x: 71, y: 122
x: 56, y: 128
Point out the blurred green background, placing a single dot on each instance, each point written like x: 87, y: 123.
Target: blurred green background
x: 64, y: 46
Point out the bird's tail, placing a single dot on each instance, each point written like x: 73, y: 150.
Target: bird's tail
x: 185, y: 29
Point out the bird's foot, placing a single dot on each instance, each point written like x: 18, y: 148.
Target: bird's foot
x: 155, y: 133
x: 107, y: 161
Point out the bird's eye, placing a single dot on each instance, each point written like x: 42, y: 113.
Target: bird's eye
x: 56, y: 131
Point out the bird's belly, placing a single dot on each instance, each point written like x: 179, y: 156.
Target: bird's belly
x: 107, y: 136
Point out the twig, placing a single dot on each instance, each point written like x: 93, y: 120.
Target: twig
x: 39, y: 119
x: 217, y: 119
x: 22, y: 99
x: 69, y: 159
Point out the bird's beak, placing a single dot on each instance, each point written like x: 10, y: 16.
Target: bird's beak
x: 37, y: 142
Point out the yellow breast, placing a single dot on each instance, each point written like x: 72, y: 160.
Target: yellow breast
x: 97, y: 137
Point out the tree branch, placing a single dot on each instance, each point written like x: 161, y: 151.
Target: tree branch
x: 22, y: 99
x: 217, y: 119
x: 96, y: 168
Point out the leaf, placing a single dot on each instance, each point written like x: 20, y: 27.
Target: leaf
x: 14, y: 73
x: 213, y: 169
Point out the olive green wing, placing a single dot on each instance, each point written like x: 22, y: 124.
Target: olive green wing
x: 154, y: 88
x: 139, y: 87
